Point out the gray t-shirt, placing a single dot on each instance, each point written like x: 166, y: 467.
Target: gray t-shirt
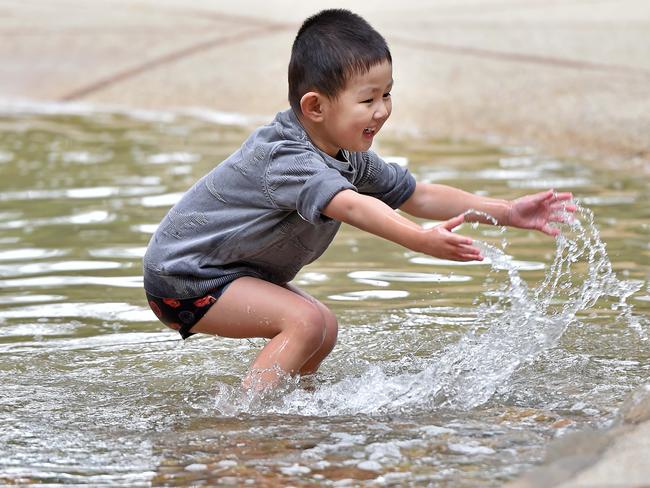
x: 258, y: 213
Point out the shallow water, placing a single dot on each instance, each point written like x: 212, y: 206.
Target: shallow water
x: 450, y: 374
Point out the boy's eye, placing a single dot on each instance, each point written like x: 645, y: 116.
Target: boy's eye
x: 370, y: 100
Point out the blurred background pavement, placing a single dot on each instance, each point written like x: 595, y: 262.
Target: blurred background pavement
x: 568, y: 77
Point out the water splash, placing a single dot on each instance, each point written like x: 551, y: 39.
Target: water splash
x: 513, y: 326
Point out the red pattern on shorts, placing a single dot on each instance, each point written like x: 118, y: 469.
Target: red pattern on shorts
x: 182, y: 314
x: 155, y: 308
x: 172, y: 302
x: 206, y: 300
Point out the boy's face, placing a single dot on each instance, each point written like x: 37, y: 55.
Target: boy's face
x: 352, y: 120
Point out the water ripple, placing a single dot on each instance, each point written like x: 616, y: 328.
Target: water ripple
x: 370, y: 295
x: 97, y: 192
x: 166, y: 200
x: 145, y: 228
x: 62, y: 281
x: 47, y: 267
x: 125, y: 252
x: 6, y: 156
x: 557, y: 183
x: 29, y: 253
x: 383, y: 278
x: 174, y: 157
x: 15, y: 299
x: 92, y: 217
x: 117, y: 311
x: 517, y: 264
x: 86, y: 157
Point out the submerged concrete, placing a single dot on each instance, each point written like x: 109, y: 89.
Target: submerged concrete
x: 570, y: 78
x: 617, y: 457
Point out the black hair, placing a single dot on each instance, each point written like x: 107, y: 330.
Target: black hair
x: 330, y: 47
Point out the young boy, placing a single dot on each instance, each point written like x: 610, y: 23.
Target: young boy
x: 222, y: 259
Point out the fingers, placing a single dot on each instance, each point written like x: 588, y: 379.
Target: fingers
x: 550, y: 231
x: 561, y: 211
x: 570, y: 207
x: 469, y: 253
x: 553, y: 196
x: 464, y: 258
x: 458, y: 255
x: 558, y: 218
x: 561, y: 197
x: 545, y: 195
x: 453, y: 222
x: 460, y: 248
x: 563, y: 218
x: 458, y: 240
x: 559, y: 201
x: 538, y: 198
x: 446, y: 244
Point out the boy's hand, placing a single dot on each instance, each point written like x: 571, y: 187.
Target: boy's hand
x: 537, y: 211
x: 442, y: 243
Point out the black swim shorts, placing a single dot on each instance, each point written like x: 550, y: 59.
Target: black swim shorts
x: 183, y: 314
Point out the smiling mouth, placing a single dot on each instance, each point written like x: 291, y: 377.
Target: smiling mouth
x: 369, y: 131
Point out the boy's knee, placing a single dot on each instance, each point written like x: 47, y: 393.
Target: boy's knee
x: 311, y: 325
x: 331, y: 326
x: 331, y: 330
x: 331, y: 320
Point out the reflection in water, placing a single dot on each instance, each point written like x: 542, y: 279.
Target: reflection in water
x: 450, y: 373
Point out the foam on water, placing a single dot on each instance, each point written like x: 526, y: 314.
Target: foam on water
x: 514, y: 325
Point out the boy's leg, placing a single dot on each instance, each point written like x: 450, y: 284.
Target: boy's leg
x: 255, y: 308
x: 331, y: 333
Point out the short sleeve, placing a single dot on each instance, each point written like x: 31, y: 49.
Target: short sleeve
x: 300, y: 180
x: 387, y: 181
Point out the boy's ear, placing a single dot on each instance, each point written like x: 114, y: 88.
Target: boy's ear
x: 312, y: 107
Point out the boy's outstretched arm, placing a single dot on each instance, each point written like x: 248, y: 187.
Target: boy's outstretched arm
x: 536, y: 211
x: 374, y: 216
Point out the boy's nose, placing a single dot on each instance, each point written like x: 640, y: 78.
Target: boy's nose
x: 382, y: 112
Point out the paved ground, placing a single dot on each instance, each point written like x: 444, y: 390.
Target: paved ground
x: 569, y: 77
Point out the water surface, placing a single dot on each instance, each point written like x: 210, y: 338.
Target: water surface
x: 453, y: 374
